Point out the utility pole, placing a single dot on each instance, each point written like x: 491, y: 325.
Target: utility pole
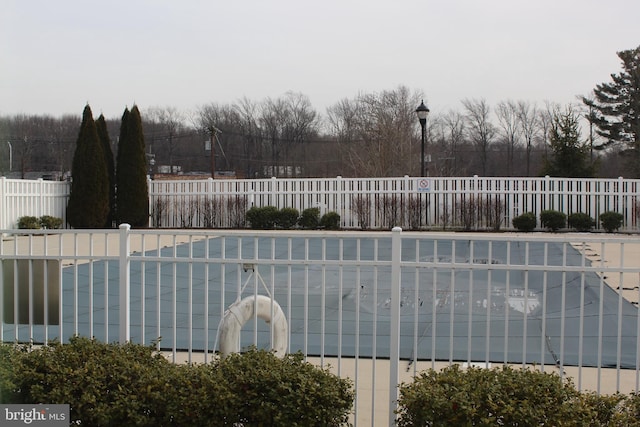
x: 10, y: 156
x: 213, y: 135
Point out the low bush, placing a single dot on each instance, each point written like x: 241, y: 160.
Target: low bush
x: 50, y: 222
x: 611, y: 221
x: 104, y: 384
x: 261, y: 389
x: 28, y: 222
x: 287, y: 218
x: 310, y: 219
x: 47, y: 222
x: 262, y: 218
x: 330, y: 221
x: 553, y: 220
x: 131, y: 384
x: 580, y: 221
x: 525, y: 222
x: 490, y: 397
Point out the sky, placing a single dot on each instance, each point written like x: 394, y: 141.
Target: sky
x: 57, y: 56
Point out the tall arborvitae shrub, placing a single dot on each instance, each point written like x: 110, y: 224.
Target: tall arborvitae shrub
x: 132, y: 192
x: 105, y: 141
x: 88, y: 205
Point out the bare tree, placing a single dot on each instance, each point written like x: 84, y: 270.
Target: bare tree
x: 272, y: 118
x: 172, y: 122
x: 301, y: 125
x: 342, y: 123
x: 378, y: 132
x: 529, y: 122
x: 589, y: 111
x: 247, y: 111
x: 480, y: 129
x: 454, y: 123
x: 507, y: 113
x: 545, y: 120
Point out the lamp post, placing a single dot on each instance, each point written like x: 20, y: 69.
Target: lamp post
x: 422, y: 111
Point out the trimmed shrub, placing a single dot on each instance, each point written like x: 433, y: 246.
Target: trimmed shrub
x: 310, y: 218
x: 50, y: 222
x: 104, y: 384
x: 330, y: 221
x: 488, y: 397
x: 611, y: 221
x: 525, y: 222
x: 580, y: 221
x: 262, y: 218
x: 262, y: 389
x: 553, y: 220
x: 28, y: 222
x: 629, y: 412
x: 131, y: 384
x: 9, y: 356
x: 287, y: 218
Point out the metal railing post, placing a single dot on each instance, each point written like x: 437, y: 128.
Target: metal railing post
x: 125, y: 285
x: 394, y: 333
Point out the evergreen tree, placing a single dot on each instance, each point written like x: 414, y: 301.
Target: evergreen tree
x: 570, y: 156
x: 132, y: 192
x: 105, y: 141
x: 617, y: 107
x: 88, y: 205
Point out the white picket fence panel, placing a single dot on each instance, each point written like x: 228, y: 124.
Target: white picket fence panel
x: 222, y: 203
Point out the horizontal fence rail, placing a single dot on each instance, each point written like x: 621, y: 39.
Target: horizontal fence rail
x: 472, y: 203
x: 394, y: 302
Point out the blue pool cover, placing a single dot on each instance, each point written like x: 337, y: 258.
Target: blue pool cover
x: 512, y: 315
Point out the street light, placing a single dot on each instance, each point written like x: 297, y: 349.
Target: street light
x: 422, y: 111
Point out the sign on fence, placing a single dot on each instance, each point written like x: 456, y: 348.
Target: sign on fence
x: 424, y: 185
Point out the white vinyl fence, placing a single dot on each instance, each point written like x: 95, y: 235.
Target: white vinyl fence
x: 473, y: 203
x: 379, y: 306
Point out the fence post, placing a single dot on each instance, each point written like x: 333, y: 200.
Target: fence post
x: 394, y: 333
x: 125, y: 285
x: 3, y: 206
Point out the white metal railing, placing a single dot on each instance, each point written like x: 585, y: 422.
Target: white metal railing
x: 382, y: 203
x: 355, y: 300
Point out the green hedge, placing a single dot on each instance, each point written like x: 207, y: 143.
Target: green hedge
x: 262, y: 218
x: 611, y: 221
x: 525, y: 222
x: 580, y: 221
x: 509, y: 397
x: 113, y: 385
x: 287, y: 218
x: 553, y: 220
x: 330, y: 221
x: 310, y: 219
x: 34, y: 223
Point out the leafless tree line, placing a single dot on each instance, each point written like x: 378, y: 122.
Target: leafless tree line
x: 370, y: 134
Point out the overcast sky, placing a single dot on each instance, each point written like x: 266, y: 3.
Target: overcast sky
x: 57, y: 55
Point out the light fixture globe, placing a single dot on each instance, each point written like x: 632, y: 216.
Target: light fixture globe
x: 422, y: 111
